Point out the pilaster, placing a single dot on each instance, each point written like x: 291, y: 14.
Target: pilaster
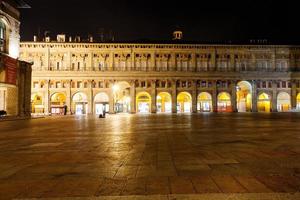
x: 194, y: 96
x: 132, y: 97
x: 153, y: 96
x: 214, y: 96
x: 174, y: 96
x: 254, y: 96
x: 274, y: 96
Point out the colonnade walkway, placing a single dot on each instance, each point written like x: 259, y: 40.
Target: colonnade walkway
x: 232, y: 155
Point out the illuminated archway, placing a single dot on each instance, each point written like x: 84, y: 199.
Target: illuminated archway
x: 79, y: 103
x: 164, y: 102
x: 298, y: 101
x: 184, y: 102
x: 37, y: 105
x: 101, y: 101
x: 224, y: 102
x: 58, y: 103
x: 121, y: 96
x: 283, y: 102
x: 204, y: 102
x: 244, y: 96
x: 264, y: 103
x: 143, y: 102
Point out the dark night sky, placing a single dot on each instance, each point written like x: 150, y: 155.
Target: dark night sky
x: 209, y: 20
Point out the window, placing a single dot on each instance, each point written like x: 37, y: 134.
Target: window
x: 284, y: 84
x: 2, y: 36
x: 58, y: 85
x: 57, y: 66
x: 269, y: 84
x: 264, y: 84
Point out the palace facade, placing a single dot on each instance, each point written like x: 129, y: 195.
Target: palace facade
x: 15, y: 75
x: 88, y: 77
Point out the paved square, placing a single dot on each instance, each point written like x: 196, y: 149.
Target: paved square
x: 128, y: 155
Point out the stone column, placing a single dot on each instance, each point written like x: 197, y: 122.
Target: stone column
x: 294, y: 95
x: 214, y: 96
x: 174, y: 97
x: 111, y: 96
x: 47, y: 98
x: 152, y: 61
x: 27, y: 83
x: 21, y: 91
x: 254, y: 96
x: 193, y: 62
x: 153, y: 96
x: 194, y: 97
x: 47, y: 59
x: 213, y: 66
x: 132, y: 61
x: 132, y: 97
x: 111, y: 61
x: 233, y: 96
x: 274, y: 96
x: 68, y: 61
x: 90, y: 97
x: 173, y: 62
x: 68, y: 96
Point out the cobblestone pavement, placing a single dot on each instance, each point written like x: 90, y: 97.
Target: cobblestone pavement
x: 153, y: 156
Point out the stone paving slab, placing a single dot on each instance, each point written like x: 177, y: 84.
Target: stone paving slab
x: 247, y: 196
x: 149, y: 155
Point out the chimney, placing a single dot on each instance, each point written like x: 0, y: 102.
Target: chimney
x: 91, y: 39
x: 77, y: 39
x: 61, y: 38
x: 47, y: 39
x: 35, y: 38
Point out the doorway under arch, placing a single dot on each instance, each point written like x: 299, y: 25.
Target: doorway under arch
x: 164, y: 102
x: 264, y: 103
x: 244, y: 96
x: 204, y: 102
x: 283, y: 102
x: 143, y: 102
x: 184, y: 102
x: 80, y: 103
x: 37, y: 106
x: 101, y: 101
x: 121, y: 96
x: 298, y: 101
x: 224, y: 102
x: 58, y: 103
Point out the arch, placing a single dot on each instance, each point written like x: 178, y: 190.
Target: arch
x: 4, y: 33
x: 164, y: 102
x: 101, y: 101
x: 283, y: 102
x: 298, y: 101
x: 264, y: 103
x: 37, y: 105
x: 204, y: 102
x: 79, y: 103
x: 143, y: 102
x: 184, y: 102
x: 121, y: 96
x: 57, y: 103
x: 224, y: 102
x: 244, y: 96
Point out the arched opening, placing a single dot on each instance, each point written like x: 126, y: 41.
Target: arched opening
x: 184, y: 102
x: 164, y: 102
x: 264, y: 103
x: 143, y: 102
x: 298, y: 101
x: 244, y: 96
x: 58, y: 103
x: 204, y: 102
x: 3, y: 36
x: 224, y: 102
x: 121, y: 95
x: 80, y: 103
x: 283, y: 102
x: 101, y: 101
x: 37, y: 106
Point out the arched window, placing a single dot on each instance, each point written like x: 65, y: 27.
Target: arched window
x: 2, y: 36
